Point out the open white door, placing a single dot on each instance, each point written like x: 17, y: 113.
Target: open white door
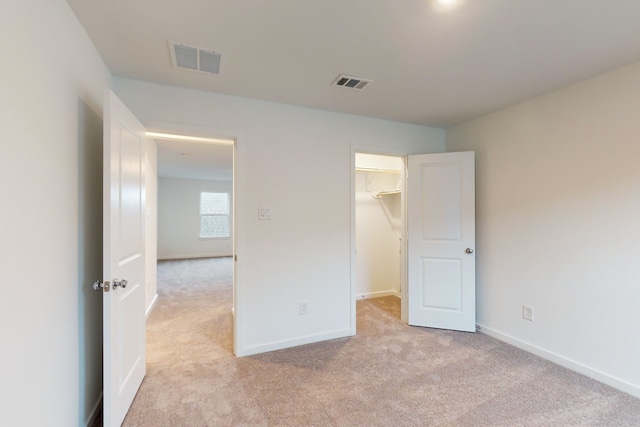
x: 441, y: 241
x: 124, y: 261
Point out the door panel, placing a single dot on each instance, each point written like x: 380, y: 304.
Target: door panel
x: 440, y: 228
x: 124, y: 245
x: 442, y: 285
x: 440, y: 203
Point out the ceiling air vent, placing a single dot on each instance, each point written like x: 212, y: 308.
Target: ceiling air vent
x: 351, y: 82
x: 195, y: 58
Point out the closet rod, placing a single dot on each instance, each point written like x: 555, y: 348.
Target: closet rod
x: 359, y: 169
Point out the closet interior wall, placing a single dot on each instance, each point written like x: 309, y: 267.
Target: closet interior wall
x: 378, y: 225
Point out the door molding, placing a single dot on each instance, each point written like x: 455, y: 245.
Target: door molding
x: 380, y: 151
x: 223, y: 134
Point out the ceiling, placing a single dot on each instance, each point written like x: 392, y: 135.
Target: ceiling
x: 192, y: 160
x: 430, y: 65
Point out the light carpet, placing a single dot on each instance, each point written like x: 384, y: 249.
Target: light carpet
x: 389, y: 374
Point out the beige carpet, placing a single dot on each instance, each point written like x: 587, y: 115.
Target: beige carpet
x: 389, y: 374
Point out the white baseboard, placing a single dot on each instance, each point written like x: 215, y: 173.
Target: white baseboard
x: 172, y: 257
x: 378, y: 294
x: 280, y: 345
x: 602, y: 377
x: 95, y: 411
x: 151, y: 306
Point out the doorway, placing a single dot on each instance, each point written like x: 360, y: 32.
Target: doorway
x: 437, y: 259
x: 130, y: 212
x: 195, y: 198
x: 379, y: 225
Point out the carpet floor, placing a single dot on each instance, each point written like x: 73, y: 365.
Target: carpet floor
x: 389, y: 374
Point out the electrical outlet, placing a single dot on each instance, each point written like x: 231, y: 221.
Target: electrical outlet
x: 527, y: 313
x: 304, y: 307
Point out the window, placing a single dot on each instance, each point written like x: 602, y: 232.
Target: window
x: 214, y: 215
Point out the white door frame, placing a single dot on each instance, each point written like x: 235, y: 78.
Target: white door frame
x: 380, y: 151
x: 180, y: 130
x: 177, y: 132
x: 383, y: 151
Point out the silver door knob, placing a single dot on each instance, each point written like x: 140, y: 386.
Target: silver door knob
x: 117, y: 283
x: 468, y: 251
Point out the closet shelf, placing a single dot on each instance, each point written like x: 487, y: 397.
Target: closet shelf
x: 363, y: 169
x: 381, y: 194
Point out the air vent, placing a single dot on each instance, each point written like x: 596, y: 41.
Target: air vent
x: 351, y: 82
x: 195, y: 58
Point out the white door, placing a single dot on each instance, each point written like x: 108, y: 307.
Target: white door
x: 124, y: 243
x: 441, y: 241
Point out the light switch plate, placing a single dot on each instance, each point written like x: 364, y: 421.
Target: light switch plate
x: 264, y: 212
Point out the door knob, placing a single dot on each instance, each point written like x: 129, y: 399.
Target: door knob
x: 468, y: 251
x: 117, y: 283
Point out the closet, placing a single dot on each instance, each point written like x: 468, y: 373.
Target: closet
x: 379, y: 222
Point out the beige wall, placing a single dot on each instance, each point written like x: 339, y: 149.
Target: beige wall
x: 179, y: 219
x: 378, y: 223
x: 53, y: 82
x: 558, y: 224
x: 298, y: 161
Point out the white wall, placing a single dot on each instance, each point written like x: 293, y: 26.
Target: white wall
x: 151, y: 224
x: 378, y: 228
x: 299, y: 162
x: 51, y: 218
x: 558, y: 224
x: 179, y: 219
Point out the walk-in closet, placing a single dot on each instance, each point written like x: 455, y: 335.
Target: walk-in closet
x: 378, y: 217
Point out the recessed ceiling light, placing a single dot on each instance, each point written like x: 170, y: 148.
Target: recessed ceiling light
x: 184, y: 154
x: 446, y: 2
